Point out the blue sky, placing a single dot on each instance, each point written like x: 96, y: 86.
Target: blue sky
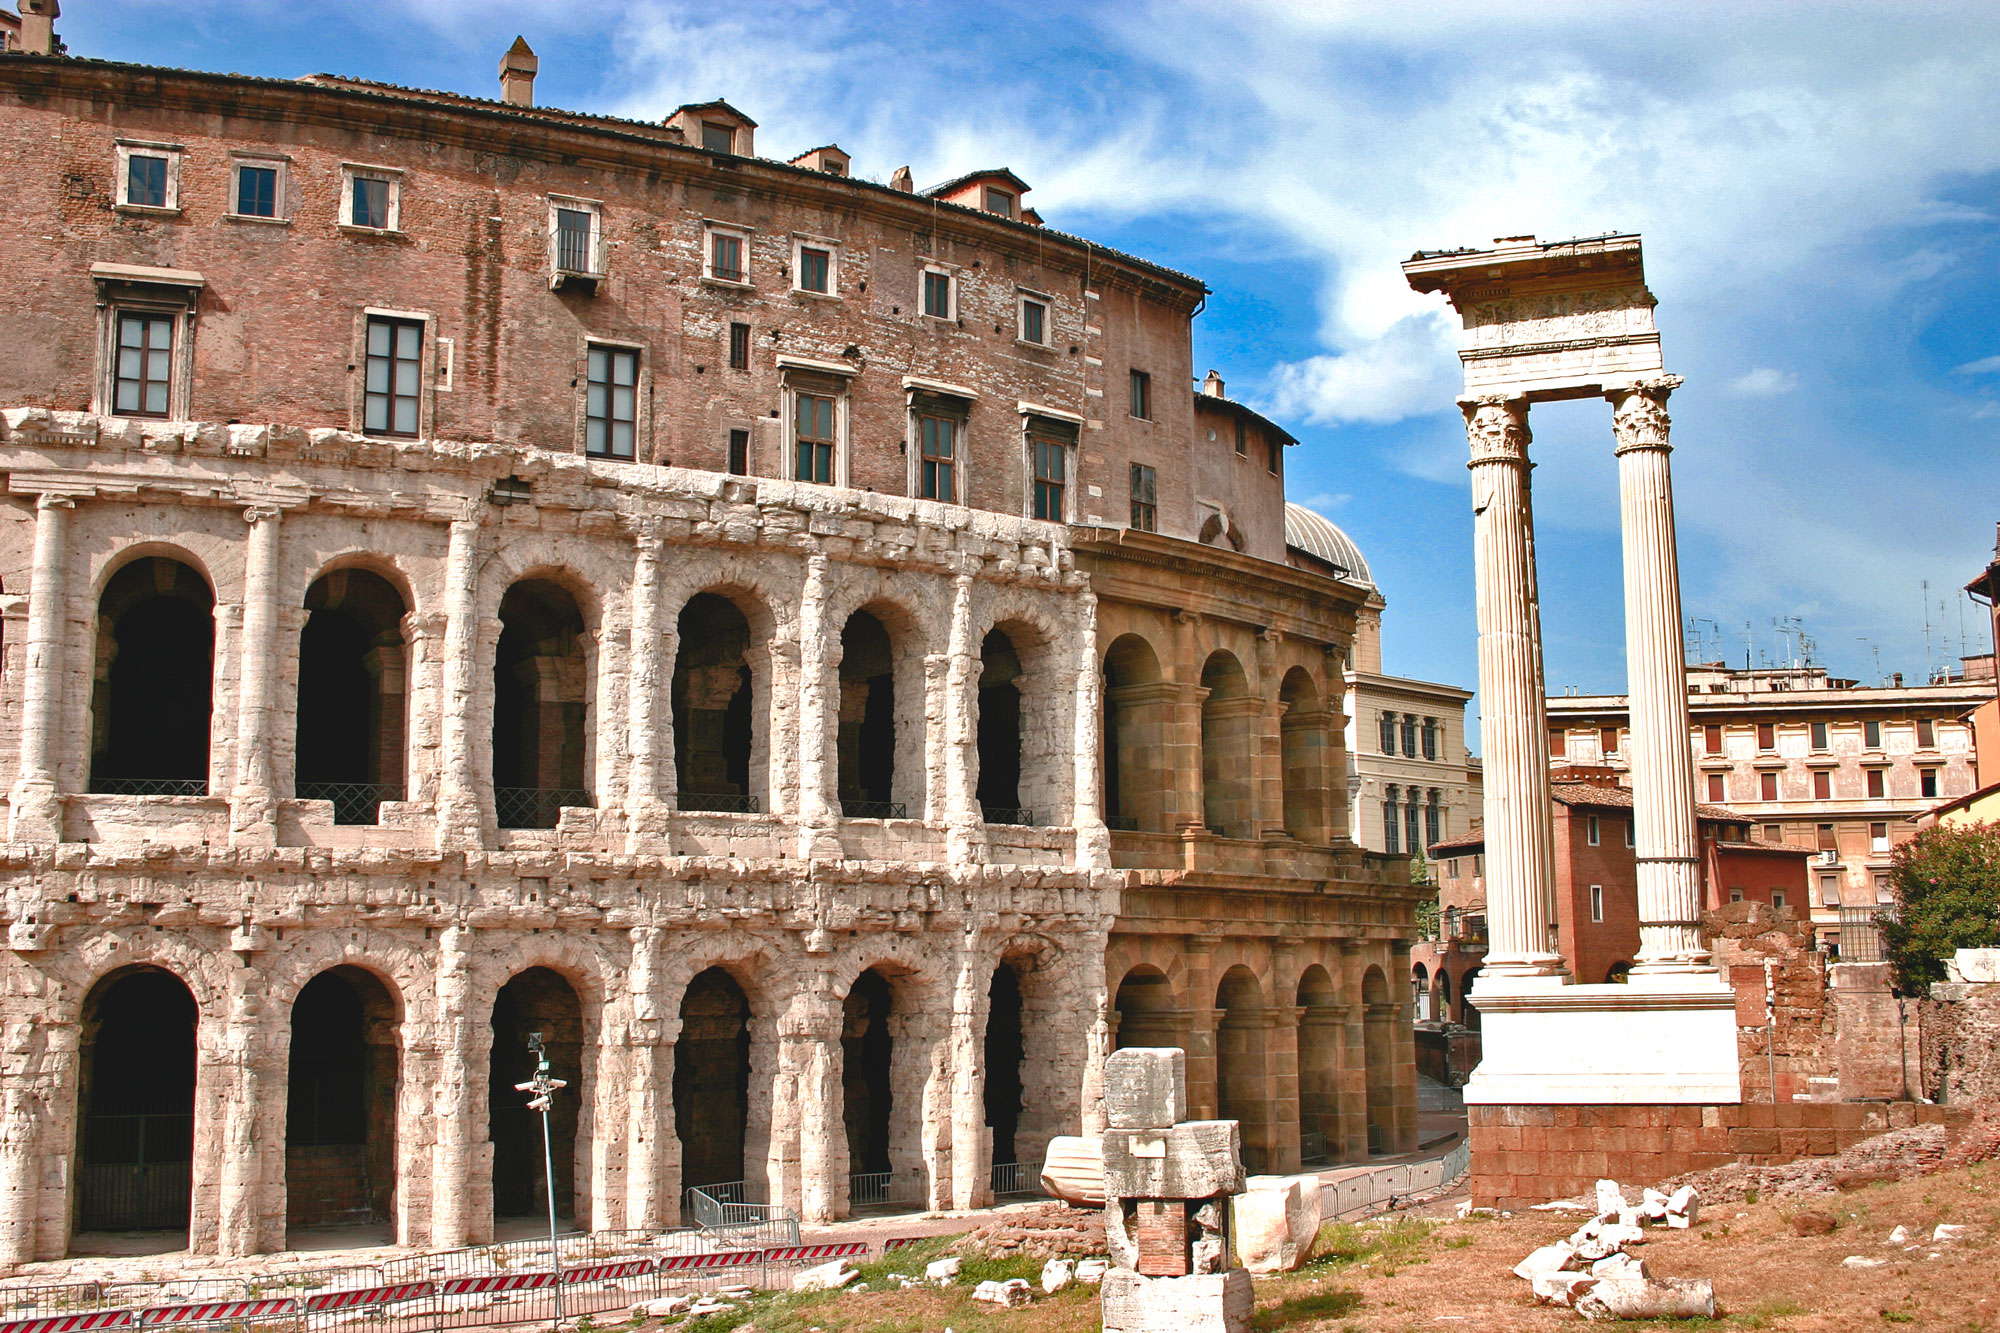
x: 1815, y: 182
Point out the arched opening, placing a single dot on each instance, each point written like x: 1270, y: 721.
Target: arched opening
x: 1146, y: 1011
x: 712, y: 1085
x: 340, y: 1118
x: 1242, y: 1089
x: 1005, y: 1050
x: 1138, y: 721
x: 135, y: 1096
x: 883, y: 1073
x: 1303, y: 741
x: 1618, y: 973
x: 867, y: 738
x: 1468, y: 1012
x: 1320, y: 1040
x: 713, y: 713
x: 537, y: 1000
x: 353, y: 690
x: 999, y: 792
x: 541, y: 706
x: 1442, y: 1008
x: 152, y: 690
x: 1378, y: 1046
x: 1420, y: 992
x: 1228, y: 749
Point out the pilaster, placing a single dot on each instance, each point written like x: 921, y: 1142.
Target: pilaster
x: 34, y: 811
x: 253, y: 811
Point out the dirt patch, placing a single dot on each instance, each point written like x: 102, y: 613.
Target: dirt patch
x: 1053, y: 1231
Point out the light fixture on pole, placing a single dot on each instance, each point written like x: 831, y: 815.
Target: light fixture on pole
x: 541, y: 1089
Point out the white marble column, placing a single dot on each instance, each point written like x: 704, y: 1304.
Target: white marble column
x: 1093, y: 840
x: 818, y: 833
x: 34, y: 813
x: 1661, y: 758
x: 644, y: 814
x: 253, y: 803
x: 459, y: 810
x: 1520, y: 858
x: 965, y: 834
x: 456, y: 1156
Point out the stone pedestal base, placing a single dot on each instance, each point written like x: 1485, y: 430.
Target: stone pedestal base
x: 1203, y: 1303
x: 1660, y: 1040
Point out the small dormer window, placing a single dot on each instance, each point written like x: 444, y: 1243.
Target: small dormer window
x: 718, y: 136
x: 1000, y: 201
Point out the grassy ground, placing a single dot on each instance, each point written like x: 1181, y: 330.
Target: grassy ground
x: 1776, y: 1264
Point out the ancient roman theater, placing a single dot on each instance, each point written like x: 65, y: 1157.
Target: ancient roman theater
x: 802, y: 644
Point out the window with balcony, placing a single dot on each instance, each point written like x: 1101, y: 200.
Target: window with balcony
x: 727, y: 256
x: 574, y: 223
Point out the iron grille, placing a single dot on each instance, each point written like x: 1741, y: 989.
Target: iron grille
x: 150, y: 786
x: 1861, y: 934
x: 1010, y: 814
x: 353, y: 802
x: 873, y: 810
x: 721, y: 802
x: 535, y: 807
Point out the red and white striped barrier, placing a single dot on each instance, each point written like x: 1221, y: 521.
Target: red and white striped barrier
x: 348, y: 1300
x: 609, y: 1271
x: 71, y: 1323
x: 898, y: 1242
x: 202, y: 1312
x: 486, y: 1282
x: 683, y: 1263
x: 793, y: 1254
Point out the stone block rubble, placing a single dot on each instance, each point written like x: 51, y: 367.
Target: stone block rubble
x: 1593, y: 1272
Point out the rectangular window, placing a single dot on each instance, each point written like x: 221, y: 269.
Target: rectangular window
x: 1590, y: 830
x: 739, y: 453
x: 814, y: 269
x: 1767, y: 736
x: 611, y: 410
x: 1410, y: 737
x: 1927, y: 782
x: 1274, y: 454
x: 1823, y: 838
x: 1034, y: 321
x: 1597, y: 902
x: 1145, y: 504
x: 1430, y: 738
x: 937, y: 458
x: 1433, y: 821
x: 1050, y: 461
x: 728, y: 257
x: 256, y: 190
x: 1607, y: 740
x: 1871, y: 735
x: 739, y: 347
x: 1242, y: 439
x: 1628, y: 831
x: 1778, y: 898
x: 1392, y: 829
x: 1829, y: 890
x: 1000, y: 201
x: 1388, y: 733
x: 374, y: 200
x: 1736, y: 895
x: 1711, y: 740
x: 1926, y: 734
x: 1767, y: 786
x: 1878, y: 837
x: 812, y: 431
x: 1412, y: 827
x: 718, y: 137
x: 1819, y: 738
x: 1142, y: 395
x: 391, y: 390
x: 1774, y: 833
x: 146, y: 179
x: 142, y: 377
x: 1558, y: 743
x: 1715, y: 787
x: 576, y: 241
x: 938, y: 303
x: 1877, y: 783
x: 1883, y: 892
x: 1822, y: 785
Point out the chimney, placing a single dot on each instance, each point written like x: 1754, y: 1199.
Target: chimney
x: 517, y: 73
x: 1211, y: 385
x: 899, y: 179
x: 38, y: 27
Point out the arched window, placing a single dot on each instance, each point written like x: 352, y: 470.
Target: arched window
x: 1228, y: 748
x: 340, y: 1119
x: 538, y: 1000
x: 135, y: 1103
x: 1146, y: 1012
x: 1303, y: 754
x: 1242, y: 1091
x: 999, y: 737
x: 867, y: 741
x: 712, y: 1085
x: 353, y: 692
x: 1379, y: 1050
x: 1322, y: 1035
x: 714, y: 716
x: 1138, y: 717
x: 153, y: 688
x: 541, y: 706
x: 883, y: 1076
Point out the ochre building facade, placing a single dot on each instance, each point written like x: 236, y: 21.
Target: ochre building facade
x: 795, y: 643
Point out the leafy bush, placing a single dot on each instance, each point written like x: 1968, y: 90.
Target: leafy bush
x: 1947, y: 885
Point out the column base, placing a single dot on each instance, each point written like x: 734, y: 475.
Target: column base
x: 1671, y: 1040
x: 34, y: 812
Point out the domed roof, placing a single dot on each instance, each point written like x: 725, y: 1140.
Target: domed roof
x: 1315, y: 534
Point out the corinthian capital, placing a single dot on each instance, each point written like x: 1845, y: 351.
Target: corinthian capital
x: 1497, y: 427
x: 1639, y: 417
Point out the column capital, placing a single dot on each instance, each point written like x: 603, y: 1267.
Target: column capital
x: 260, y: 512
x: 55, y: 500
x: 1497, y: 427
x: 1639, y: 417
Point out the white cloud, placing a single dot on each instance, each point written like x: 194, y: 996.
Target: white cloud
x: 1409, y: 370
x: 1763, y: 382
x: 1985, y: 365
x: 1325, y: 500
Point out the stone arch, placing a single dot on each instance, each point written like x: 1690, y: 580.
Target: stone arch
x: 152, y: 695
x: 886, y: 1046
x: 352, y: 719
x: 1030, y: 1098
x: 1018, y: 735
x: 543, y: 691
x: 1468, y: 1012
x: 343, y: 1080
x: 1442, y: 1007
x: 1618, y: 972
x: 1322, y: 1034
x: 1304, y: 732
x: 880, y: 713
x: 1378, y: 1047
x: 1139, y: 705
x: 541, y: 998
x: 1229, y: 714
x: 135, y: 1130
x: 722, y: 685
x: 1242, y: 1074
x: 1420, y: 991
x: 713, y: 1068
x: 1147, y: 1009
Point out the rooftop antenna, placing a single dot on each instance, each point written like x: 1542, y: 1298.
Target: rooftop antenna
x: 1749, y: 643
x: 1792, y: 631
x: 1930, y: 657
x: 1876, y: 649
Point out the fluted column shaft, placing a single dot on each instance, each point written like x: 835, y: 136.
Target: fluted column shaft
x: 1520, y: 835
x: 32, y: 810
x: 1661, y: 759
x: 253, y: 811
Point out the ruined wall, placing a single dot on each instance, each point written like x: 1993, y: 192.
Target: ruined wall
x: 1961, y: 1046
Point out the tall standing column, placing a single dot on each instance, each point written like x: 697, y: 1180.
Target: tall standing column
x: 965, y: 833
x: 253, y: 804
x: 1093, y: 840
x: 34, y: 814
x: 1520, y: 834
x: 459, y: 814
x: 1661, y: 758
x: 643, y: 821
x: 819, y: 836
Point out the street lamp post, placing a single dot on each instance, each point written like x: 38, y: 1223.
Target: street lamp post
x: 541, y: 1089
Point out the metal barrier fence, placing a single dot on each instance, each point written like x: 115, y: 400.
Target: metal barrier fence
x: 869, y: 1189
x: 1010, y: 1178
x: 1385, y: 1185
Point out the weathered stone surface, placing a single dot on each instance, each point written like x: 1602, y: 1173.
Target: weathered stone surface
x: 1274, y: 1222
x: 1073, y: 1170
x: 945, y: 1269
x: 1683, y: 1208
x: 1058, y: 1274
x: 1561, y: 1288
x: 1202, y: 1303
x: 1196, y: 1159
x: 1648, y: 1298
x: 1012, y: 1293
x: 1145, y: 1087
x: 1556, y: 1258
x: 825, y: 1277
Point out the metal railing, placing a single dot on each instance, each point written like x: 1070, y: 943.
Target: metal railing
x: 573, y: 250
x: 353, y: 802
x: 1861, y: 934
x: 872, y: 1189
x: 149, y: 786
x: 1386, y: 1186
x: 1014, y: 1178
x: 873, y: 810
x: 1009, y: 814
x: 535, y: 807
x: 718, y: 802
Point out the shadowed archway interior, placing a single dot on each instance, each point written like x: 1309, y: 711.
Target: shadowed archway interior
x: 537, y: 1000
x: 135, y: 1150
x: 712, y: 1081
x: 340, y: 1119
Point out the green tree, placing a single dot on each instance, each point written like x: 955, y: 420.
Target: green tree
x: 1947, y: 884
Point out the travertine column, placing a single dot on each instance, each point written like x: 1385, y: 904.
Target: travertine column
x: 1661, y: 760
x: 810, y: 1060
x: 454, y: 1098
x: 965, y: 836
x: 971, y: 1147
x: 652, y: 1150
x: 1093, y: 840
x: 253, y: 803
x: 819, y: 837
x: 459, y: 807
x: 34, y: 814
x: 248, y: 1057
x: 1520, y: 856
x: 643, y: 811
